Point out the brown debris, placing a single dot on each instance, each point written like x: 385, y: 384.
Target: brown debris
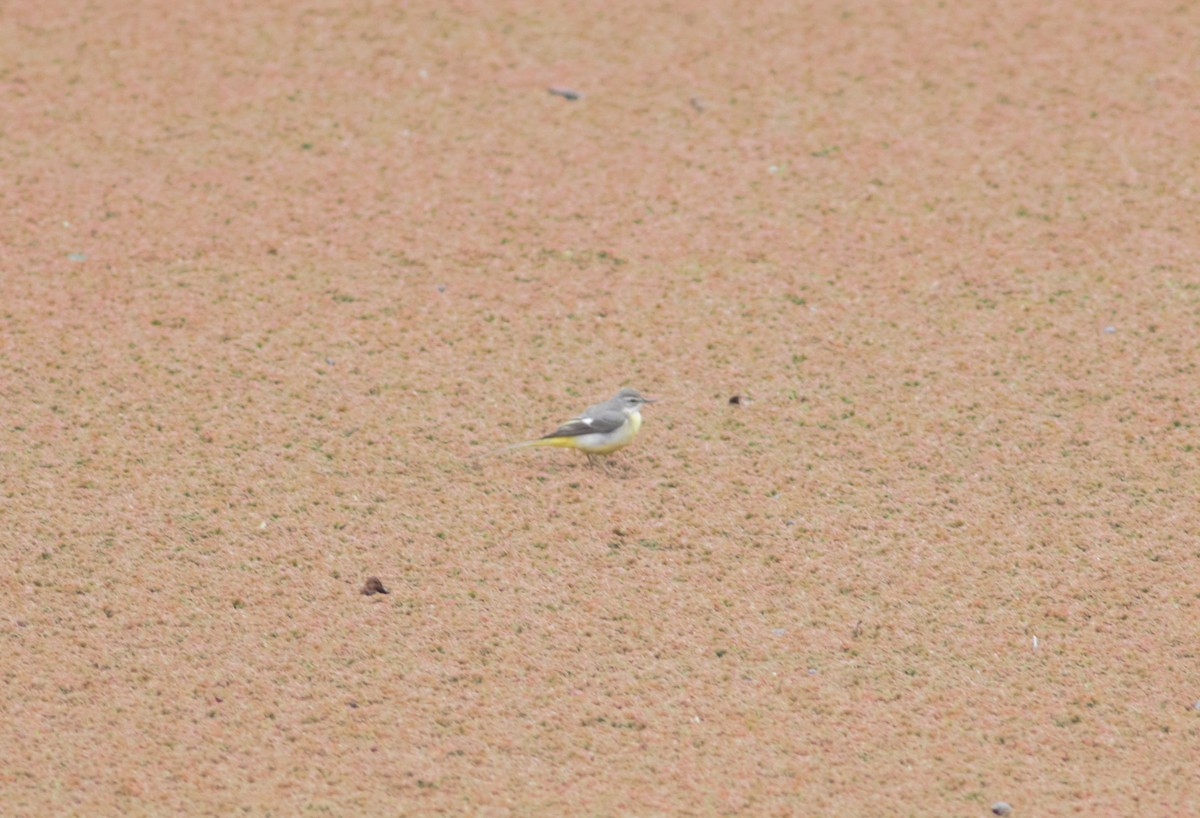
x: 374, y: 585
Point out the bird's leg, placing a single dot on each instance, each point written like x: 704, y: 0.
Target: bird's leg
x: 591, y: 459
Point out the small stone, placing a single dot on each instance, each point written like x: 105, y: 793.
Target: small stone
x: 77, y: 256
x: 566, y: 93
x: 373, y: 586
x: 1196, y: 705
x: 1110, y: 330
x: 736, y: 400
x: 1001, y: 808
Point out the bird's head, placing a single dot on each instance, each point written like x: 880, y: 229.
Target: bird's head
x: 631, y: 400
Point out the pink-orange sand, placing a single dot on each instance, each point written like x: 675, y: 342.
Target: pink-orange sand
x: 274, y: 276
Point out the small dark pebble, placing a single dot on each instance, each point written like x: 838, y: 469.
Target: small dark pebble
x: 374, y: 586
x: 353, y: 705
x: 736, y: 400
x: 566, y: 93
x: 1001, y: 808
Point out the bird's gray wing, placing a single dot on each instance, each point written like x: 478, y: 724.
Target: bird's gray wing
x: 588, y: 423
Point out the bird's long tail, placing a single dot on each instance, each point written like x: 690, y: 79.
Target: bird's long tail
x: 559, y: 442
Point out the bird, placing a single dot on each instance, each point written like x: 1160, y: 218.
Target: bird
x: 598, y: 430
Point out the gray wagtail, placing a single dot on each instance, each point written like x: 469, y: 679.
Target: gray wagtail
x: 599, y: 429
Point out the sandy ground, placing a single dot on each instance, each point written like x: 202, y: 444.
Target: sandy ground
x: 274, y: 276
